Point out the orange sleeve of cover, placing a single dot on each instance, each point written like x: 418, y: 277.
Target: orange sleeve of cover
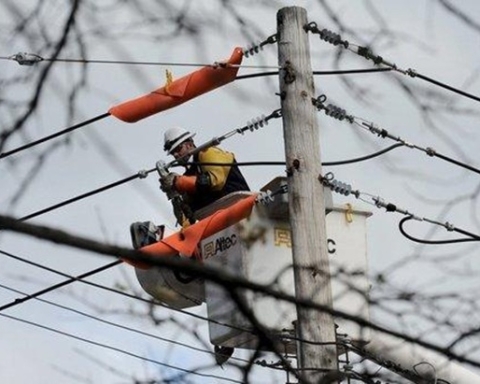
x: 187, y: 240
x: 179, y: 91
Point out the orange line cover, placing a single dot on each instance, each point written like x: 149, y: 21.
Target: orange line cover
x: 187, y: 240
x: 179, y: 91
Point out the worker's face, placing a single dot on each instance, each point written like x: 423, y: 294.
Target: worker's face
x: 182, y: 150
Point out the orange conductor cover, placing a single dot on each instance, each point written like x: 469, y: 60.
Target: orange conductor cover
x: 186, y: 241
x: 179, y: 91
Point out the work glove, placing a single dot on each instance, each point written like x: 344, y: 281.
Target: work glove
x: 167, y: 183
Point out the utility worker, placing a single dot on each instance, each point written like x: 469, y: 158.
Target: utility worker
x: 203, y: 182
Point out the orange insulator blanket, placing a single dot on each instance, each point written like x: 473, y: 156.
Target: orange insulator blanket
x: 179, y: 91
x: 187, y: 240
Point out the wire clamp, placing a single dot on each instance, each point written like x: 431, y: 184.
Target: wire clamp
x: 430, y: 151
x: 142, y: 174
x: 256, y: 48
x: 449, y: 227
x: 411, y: 72
x: 24, y: 58
x: 220, y: 64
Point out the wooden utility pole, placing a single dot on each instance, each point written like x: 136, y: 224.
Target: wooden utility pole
x: 305, y: 194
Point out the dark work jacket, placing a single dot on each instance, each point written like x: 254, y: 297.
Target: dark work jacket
x: 204, y: 195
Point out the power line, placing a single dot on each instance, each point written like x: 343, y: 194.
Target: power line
x: 254, y: 124
x: 55, y: 286
x: 115, y: 349
x: 346, y: 189
x: 282, y: 163
x: 140, y: 175
x: 226, y: 279
x: 29, y: 59
x: 72, y: 279
x: 52, y: 136
x: 251, y: 126
x: 402, y: 230
x: 319, y: 73
x: 366, y: 53
x: 116, y: 325
x: 341, y: 114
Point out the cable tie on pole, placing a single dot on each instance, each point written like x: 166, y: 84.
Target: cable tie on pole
x: 24, y: 58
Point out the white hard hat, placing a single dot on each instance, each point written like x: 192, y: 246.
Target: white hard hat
x: 174, y: 137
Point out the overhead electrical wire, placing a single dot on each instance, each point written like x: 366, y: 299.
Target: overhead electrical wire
x: 52, y: 235
x: 119, y: 350
x: 125, y: 294
x: 140, y: 175
x: 346, y: 189
x: 143, y: 173
x: 282, y: 163
x: 135, y: 297
x: 318, y: 73
x: 340, y: 114
x: 402, y: 222
x: 365, y: 52
x: 117, y: 325
x: 54, y: 135
x: 251, y: 126
x: 71, y: 279
x: 30, y: 59
x: 395, y: 146
x: 102, y: 116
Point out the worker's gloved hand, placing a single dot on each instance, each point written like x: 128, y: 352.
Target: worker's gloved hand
x: 167, y: 183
